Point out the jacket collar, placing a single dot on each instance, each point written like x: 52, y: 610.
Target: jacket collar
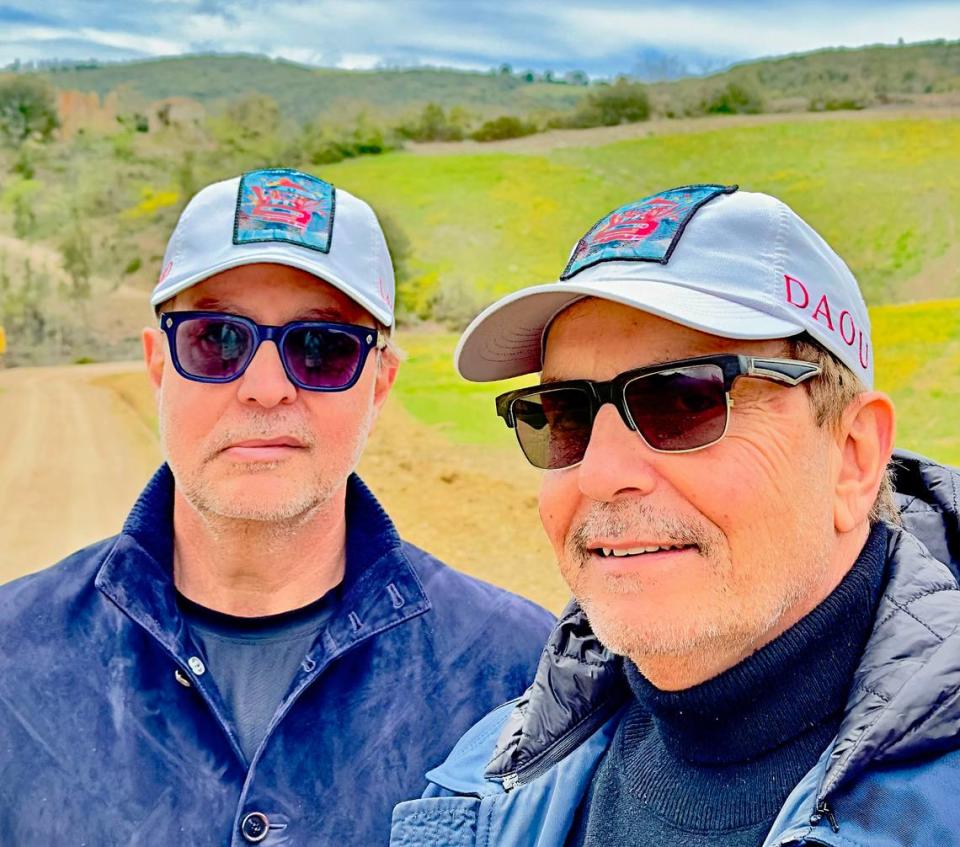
x: 904, y: 699
x: 897, y: 706
x: 380, y: 587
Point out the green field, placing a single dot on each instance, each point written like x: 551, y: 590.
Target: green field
x: 885, y: 194
x: 917, y: 362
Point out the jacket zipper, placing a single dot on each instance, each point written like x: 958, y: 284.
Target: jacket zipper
x: 824, y: 811
x: 563, y: 747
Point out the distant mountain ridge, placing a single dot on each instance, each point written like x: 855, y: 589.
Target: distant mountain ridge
x: 310, y: 91
x: 851, y: 76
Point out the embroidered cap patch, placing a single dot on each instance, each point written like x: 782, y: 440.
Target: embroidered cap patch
x: 280, y: 204
x: 643, y: 231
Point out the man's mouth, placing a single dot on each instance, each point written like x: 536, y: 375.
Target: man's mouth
x: 263, y: 449
x: 280, y: 441
x: 622, y: 552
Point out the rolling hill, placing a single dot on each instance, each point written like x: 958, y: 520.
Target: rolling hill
x: 829, y: 78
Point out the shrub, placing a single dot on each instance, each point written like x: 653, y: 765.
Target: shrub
x: 24, y: 164
x: 398, y: 243
x: 835, y: 104
x: 609, y: 105
x: 456, y: 302
x: 28, y: 109
x: 77, y: 251
x: 733, y: 99
x: 324, y: 147
x: 19, y: 195
x: 434, y: 124
x: 506, y: 126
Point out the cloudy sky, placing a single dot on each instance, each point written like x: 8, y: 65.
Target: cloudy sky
x: 602, y: 37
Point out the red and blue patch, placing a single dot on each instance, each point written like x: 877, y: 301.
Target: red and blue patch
x: 280, y: 204
x: 646, y: 230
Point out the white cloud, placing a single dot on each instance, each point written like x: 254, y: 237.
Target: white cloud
x: 759, y: 31
x: 130, y: 41
x: 359, y: 61
x: 474, y: 34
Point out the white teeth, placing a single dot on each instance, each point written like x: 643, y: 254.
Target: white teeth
x: 636, y: 551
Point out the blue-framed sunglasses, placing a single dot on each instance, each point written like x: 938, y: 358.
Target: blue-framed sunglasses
x: 316, y: 355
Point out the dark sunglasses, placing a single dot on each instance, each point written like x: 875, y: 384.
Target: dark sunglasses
x: 316, y: 355
x: 675, y: 407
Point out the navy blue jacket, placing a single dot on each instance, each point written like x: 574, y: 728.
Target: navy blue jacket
x: 891, y: 777
x: 111, y: 735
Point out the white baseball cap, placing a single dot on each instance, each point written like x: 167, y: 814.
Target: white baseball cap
x: 284, y: 217
x: 726, y: 262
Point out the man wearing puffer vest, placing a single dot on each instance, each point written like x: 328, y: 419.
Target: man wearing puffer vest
x: 764, y: 643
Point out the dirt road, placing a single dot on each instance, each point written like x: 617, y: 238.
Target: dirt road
x: 77, y: 445
x: 72, y: 459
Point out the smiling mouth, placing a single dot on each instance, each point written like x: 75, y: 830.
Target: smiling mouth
x: 626, y: 552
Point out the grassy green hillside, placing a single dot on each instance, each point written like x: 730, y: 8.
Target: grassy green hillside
x: 841, y: 73
x: 831, y: 78
x: 468, y: 227
x: 305, y: 92
x: 886, y: 194
x: 918, y: 363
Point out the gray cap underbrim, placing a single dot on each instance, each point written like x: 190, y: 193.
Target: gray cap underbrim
x: 506, y: 339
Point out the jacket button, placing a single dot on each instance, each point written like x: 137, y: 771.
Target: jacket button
x: 255, y: 827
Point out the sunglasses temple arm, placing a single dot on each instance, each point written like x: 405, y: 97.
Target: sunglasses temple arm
x: 787, y: 371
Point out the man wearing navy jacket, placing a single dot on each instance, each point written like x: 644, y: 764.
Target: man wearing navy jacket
x: 257, y: 657
x: 764, y: 647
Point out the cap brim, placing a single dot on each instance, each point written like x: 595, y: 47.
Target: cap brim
x: 505, y: 340
x: 377, y: 310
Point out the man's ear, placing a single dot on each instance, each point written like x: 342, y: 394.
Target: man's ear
x: 866, y: 442
x: 388, y: 363
x: 154, y: 352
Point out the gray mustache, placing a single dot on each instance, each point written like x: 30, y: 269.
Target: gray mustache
x: 638, y: 519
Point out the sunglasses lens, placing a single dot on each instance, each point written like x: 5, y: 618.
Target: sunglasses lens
x: 680, y: 409
x: 553, y: 426
x: 323, y: 357
x: 213, y: 348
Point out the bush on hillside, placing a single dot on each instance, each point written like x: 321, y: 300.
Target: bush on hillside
x: 18, y: 196
x: 835, y: 104
x: 456, y: 302
x: 251, y: 131
x: 398, y: 244
x: 334, y: 144
x: 733, y: 99
x: 434, y: 124
x: 506, y: 126
x: 609, y: 105
x: 76, y: 248
x: 28, y: 109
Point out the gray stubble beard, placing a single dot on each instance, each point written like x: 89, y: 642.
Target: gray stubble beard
x: 283, y: 518
x: 681, y: 643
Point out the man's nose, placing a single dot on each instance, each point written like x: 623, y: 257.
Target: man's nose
x: 265, y: 382
x: 616, y: 461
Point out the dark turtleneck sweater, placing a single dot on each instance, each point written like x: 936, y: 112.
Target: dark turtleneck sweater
x: 713, y: 764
